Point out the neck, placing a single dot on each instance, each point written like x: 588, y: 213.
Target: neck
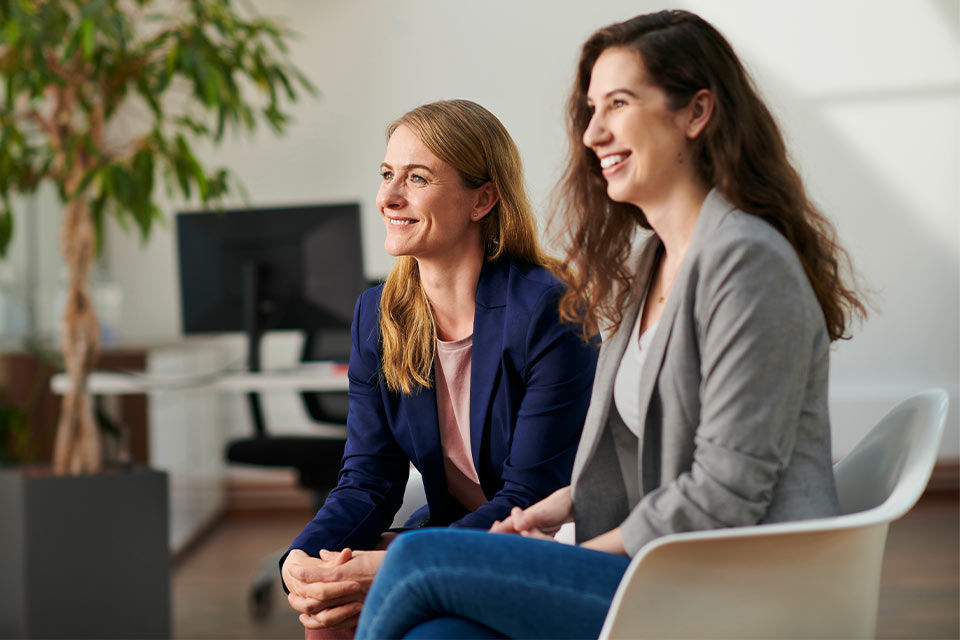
x: 673, y: 217
x: 451, y: 287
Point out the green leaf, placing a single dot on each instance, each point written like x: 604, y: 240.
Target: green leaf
x: 12, y: 32
x: 87, y: 29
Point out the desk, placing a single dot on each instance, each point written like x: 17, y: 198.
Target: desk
x: 320, y: 376
x: 180, y: 400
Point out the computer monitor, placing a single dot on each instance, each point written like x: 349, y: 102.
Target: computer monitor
x: 257, y: 270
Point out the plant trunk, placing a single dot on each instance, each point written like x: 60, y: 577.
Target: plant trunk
x: 77, y: 446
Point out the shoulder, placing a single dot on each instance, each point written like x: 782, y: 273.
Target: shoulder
x: 747, y: 267
x: 530, y: 288
x: 370, y: 299
x: 366, y: 315
x: 743, y: 245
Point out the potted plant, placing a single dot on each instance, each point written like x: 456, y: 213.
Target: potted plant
x: 101, y: 98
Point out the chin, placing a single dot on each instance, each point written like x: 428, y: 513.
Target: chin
x: 393, y: 250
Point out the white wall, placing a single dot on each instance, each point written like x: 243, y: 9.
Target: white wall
x: 868, y: 94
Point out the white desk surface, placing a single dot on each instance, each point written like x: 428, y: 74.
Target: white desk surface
x: 320, y: 376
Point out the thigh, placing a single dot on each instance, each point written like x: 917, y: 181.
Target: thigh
x: 447, y: 628
x: 516, y: 586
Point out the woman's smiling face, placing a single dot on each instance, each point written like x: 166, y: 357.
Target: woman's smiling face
x: 427, y: 211
x: 638, y: 139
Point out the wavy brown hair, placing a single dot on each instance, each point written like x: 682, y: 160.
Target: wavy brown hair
x: 475, y: 143
x: 741, y: 152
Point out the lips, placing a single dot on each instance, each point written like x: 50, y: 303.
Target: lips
x: 612, y: 160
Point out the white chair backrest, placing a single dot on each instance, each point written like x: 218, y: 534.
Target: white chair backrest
x: 890, y: 467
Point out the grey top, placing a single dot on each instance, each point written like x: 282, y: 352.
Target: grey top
x: 733, y: 394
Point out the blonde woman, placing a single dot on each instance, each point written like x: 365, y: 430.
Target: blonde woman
x: 460, y: 362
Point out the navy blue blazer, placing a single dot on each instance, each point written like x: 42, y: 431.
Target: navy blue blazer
x: 530, y: 385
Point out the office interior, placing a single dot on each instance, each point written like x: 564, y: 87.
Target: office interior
x: 867, y: 94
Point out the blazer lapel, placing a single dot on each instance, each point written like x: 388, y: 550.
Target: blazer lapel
x: 421, y: 409
x: 488, y: 322
x: 611, y: 352
x: 711, y: 212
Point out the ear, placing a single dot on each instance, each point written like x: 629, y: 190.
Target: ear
x: 487, y: 198
x: 699, y: 111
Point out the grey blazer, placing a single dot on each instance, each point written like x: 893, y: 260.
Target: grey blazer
x: 733, y: 390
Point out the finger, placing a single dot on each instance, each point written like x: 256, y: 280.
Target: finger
x: 345, y: 556
x: 521, y: 520
x: 328, y: 593
x: 536, y: 534
x: 504, y: 526
x: 328, y: 556
x: 316, y: 572
x: 330, y: 618
x: 308, y: 621
x: 301, y: 604
x: 349, y: 623
x: 311, y: 606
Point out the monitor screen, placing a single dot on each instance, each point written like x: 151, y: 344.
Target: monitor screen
x: 307, y: 262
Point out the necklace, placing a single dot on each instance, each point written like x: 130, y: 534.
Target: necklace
x: 665, y: 290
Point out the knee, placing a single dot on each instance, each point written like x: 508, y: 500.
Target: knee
x: 410, y: 549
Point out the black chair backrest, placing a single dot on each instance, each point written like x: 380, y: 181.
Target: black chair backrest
x: 326, y: 344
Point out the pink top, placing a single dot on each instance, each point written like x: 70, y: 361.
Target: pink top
x: 452, y: 366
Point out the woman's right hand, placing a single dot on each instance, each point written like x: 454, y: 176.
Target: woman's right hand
x: 544, y: 517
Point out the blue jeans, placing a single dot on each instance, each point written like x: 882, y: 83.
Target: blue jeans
x: 458, y: 583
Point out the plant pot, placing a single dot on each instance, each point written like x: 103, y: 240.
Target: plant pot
x: 84, y: 556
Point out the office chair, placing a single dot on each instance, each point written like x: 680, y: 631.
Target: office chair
x: 808, y: 579
x: 316, y: 459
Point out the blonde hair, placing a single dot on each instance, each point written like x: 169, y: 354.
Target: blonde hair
x: 473, y: 141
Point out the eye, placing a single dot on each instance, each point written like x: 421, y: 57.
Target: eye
x: 616, y: 103
x: 591, y: 110
x: 418, y: 179
x: 386, y: 175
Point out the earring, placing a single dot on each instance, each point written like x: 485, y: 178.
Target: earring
x: 475, y: 214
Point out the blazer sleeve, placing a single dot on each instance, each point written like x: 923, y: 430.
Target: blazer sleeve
x: 374, y: 472
x: 558, y: 378
x: 757, y: 323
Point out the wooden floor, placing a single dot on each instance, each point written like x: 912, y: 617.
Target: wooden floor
x: 919, y: 596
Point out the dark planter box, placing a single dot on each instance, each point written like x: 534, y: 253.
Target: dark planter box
x: 84, y: 556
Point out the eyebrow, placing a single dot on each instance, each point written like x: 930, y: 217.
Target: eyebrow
x: 408, y: 167
x: 612, y: 92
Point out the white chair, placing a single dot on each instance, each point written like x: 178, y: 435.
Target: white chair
x: 808, y: 579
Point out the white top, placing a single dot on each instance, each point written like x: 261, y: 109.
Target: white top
x: 627, y: 383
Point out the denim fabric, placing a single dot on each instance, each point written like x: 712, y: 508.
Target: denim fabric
x: 513, y: 586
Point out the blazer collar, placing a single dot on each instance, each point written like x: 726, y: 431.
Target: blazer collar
x: 492, y: 285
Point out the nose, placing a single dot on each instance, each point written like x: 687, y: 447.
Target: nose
x: 389, y: 195
x: 596, y: 133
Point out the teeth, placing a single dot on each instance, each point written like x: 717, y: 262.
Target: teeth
x: 401, y: 223
x: 609, y: 161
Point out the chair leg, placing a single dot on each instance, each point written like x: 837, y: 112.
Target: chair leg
x: 263, y: 588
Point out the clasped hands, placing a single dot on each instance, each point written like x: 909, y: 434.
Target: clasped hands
x: 328, y: 591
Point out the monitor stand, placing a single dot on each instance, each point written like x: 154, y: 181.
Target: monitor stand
x: 253, y: 326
